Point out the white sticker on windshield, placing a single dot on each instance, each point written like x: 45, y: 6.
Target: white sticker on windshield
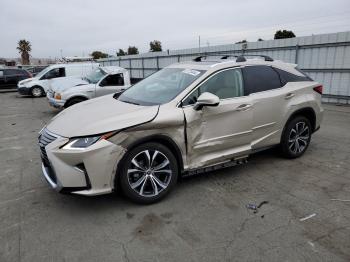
x: 191, y: 72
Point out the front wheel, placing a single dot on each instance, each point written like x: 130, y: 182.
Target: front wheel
x: 37, y: 91
x: 296, y: 137
x: 148, y: 173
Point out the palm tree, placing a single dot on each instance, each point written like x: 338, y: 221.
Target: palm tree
x: 24, y: 48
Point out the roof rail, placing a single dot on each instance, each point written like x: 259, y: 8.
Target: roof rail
x: 240, y: 58
x: 222, y: 56
x: 243, y: 59
x: 199, y: 58
x: 227, y: 56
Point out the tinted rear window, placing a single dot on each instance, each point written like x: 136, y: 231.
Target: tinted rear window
x: 260, y: 78
x: 10, y: 72
x: 289, y: 77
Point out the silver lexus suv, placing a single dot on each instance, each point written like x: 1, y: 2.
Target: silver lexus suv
x: 187, y: 118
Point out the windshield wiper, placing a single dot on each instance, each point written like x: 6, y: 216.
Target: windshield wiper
x: 129, y: 102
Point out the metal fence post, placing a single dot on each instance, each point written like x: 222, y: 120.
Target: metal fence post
x: 130, y: 68
x: 157, y: 63
x: 296, y: 54
x: 143, y: 67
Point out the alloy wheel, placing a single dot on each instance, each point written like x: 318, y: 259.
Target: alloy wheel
x: 36, y: 91
x: 149, y: 173
x: 299, y: 137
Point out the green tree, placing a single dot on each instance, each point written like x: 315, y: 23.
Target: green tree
x: 133, y: 50
x: 121, y: 52
x: 241, y: 42
x: 260, y: 39
x: 155, y: 46
x: 98, y: 54
x: 24, y: 47
x: 280, y: 34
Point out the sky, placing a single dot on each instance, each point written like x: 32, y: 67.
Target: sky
x: 78, y: 27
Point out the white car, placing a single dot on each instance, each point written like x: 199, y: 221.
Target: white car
x: 102, y: 81
x: 38, y: 85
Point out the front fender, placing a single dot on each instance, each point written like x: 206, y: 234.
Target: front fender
x: 75, y: 95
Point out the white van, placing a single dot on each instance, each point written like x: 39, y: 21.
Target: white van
x: 103, y: 81
x: 38, y: 85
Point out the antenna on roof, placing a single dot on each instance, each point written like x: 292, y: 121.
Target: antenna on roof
x: 241, y: 59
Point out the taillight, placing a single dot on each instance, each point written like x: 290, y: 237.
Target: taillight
x: 30, y: 74
x: 318, y: 89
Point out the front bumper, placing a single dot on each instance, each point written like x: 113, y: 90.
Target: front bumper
x: 89, y: 171
x: 23, y: 90
x: 56, y: 103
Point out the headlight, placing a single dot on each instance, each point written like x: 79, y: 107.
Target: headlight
x: 57, y: 96
x: 84, y: 142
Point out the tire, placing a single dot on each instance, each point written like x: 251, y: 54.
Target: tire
x: 157, y: 177
x: 37, y: 91
x: 296, y: 137
x: 73, y: 101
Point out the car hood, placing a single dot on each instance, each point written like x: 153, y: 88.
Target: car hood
x: 27, y: 80
x: 100, y: 115
x: 76, y: 89
x: 60, y: 85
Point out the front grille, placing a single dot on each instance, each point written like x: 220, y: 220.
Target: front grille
x: 45, y: 138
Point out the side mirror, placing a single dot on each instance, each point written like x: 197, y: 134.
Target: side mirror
x: 206, y: 99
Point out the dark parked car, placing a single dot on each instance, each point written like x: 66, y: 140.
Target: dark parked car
x: 9, y: 77
x: 36, y: 69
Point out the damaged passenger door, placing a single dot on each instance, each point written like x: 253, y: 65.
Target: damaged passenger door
x: 218, y: 133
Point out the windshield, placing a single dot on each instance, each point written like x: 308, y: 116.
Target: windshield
x: 43, y: 72
x: 161, y: 87
x: 95, y: 76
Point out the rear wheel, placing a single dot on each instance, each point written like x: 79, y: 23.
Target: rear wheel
x: 37, y: 91
x: 296, y: 137
x: 74, y: 101
x: 148, y: 173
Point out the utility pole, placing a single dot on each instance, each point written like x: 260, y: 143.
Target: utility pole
x: 61, y: 54
x: 199, y: 44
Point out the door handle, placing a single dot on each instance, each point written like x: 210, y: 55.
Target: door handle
x: 289, y: 96
x: 243, y: 107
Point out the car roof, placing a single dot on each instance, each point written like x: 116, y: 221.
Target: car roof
x: 72, y: 64
x: 112, y: 70
x: 216, y: 64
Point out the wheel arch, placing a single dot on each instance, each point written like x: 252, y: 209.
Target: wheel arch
x: 164, y: 140
x: 307, y: 112
x: 74, y: 97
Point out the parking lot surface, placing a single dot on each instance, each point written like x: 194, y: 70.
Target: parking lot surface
x: 204, y: 219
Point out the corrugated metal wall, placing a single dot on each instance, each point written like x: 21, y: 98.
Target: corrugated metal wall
x: 325, y: 58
